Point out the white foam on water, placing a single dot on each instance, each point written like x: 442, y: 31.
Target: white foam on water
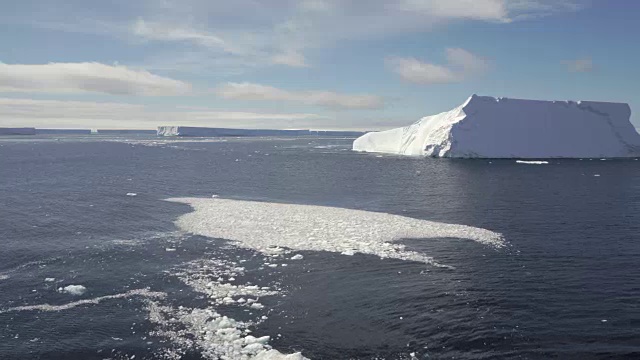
x: 532, y: 162
x: 4, y: 277
x: 264, y: 225
x: 132, y: 194
x: 46, y: 307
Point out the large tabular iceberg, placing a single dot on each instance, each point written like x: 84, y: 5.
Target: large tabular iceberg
x: 488, y: 127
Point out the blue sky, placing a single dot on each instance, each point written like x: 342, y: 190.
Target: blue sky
x: 322, y: 64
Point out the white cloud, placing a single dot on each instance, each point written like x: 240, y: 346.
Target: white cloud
x: 165, y: 32
x: 290, y: 58
x: 87, y: 77
x: 256, y: 33
x: 469, y: 63
x: 84, y: 114
x: 413, y: 70
x: 461, y: 64
x: 491, y: 10
x: 579, y: 65
x: 262, y: 33
x: 328, y: 99
x: 488, y: 10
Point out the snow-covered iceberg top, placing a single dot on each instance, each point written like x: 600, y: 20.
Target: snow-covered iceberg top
x: 488, y: 127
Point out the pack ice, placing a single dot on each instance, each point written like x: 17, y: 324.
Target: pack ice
x: 262, y: 226
x: 488, y: 127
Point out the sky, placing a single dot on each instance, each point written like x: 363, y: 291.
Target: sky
x: 318, y: 64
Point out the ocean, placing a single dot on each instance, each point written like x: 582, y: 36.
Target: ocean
x: 134, y: 247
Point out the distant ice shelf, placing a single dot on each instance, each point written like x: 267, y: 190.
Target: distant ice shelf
x: 17, y: 131
x: 63, y: 131
x: 221, y: 132
x: 488, y: 127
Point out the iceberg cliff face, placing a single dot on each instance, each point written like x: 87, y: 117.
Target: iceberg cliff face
x: 487, y: 127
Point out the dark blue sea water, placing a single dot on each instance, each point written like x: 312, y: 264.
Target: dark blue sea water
x: 567, y: 286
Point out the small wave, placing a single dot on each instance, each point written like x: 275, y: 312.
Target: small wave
x: 46, y: 307
x: 261, y: 225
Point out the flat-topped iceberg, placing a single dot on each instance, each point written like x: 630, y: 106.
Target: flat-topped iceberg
x: 222, y: 132
x: 488, y: 127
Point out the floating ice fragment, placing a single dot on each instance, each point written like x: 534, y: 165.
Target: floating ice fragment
x: 132, y: 194
x: 75, y: 290
x: 532, y: 162
x: 49, y: 279
x: 169, y: 249
x: 297, y: 257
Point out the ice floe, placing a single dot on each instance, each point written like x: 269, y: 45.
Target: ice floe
x: 266, y: 226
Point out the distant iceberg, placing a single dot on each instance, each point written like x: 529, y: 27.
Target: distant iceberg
x: 125, y: 132
x: 222, y: 132
x: 488, y: 127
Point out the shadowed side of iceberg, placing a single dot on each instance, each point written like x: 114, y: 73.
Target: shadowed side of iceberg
x: 488, y: 127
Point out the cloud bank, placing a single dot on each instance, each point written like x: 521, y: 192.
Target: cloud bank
x: 461, y: 65
x: 86, y: 114
x: 327, y: 99
x: 87, y: 77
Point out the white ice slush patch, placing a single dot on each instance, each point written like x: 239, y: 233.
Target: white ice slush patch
x: 260, y: 225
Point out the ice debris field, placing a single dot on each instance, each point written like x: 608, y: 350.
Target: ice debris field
x: 488, y: 127
x: 264, y: 225
x: 217, y: 336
